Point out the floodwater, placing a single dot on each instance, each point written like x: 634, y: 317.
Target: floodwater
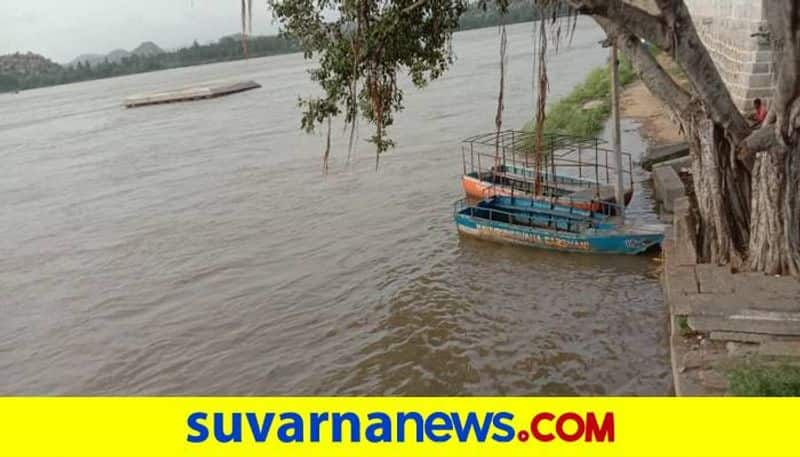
x: 198, y: 249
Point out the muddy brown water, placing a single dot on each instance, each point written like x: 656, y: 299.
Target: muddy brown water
x: 197, y: 249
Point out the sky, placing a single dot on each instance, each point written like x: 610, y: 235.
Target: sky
x: 63, y: 29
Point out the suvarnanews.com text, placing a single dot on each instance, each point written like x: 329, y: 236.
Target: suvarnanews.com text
x: 400, y: 427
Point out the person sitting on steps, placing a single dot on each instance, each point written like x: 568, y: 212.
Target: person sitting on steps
x: 760, y: 114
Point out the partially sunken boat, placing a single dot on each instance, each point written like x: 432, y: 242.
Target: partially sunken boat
x: 573, y: 170
x: 539, y: 224
x: 186, y: 94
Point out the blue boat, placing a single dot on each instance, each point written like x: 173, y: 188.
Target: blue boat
x: 540, y: 224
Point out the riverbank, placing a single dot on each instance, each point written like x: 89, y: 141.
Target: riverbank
x: 637, y: 103
x: 730, y: 333
x: 657, y: 126
x: 584, y: 111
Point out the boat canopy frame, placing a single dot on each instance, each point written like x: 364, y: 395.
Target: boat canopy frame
x: 585, y: 158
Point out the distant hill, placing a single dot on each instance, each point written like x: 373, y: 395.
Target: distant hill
x: 91, y: 59
x: 26, y: 64
x: 18, y: 67
x: 147, y: 49
x: 20, y: 72
x: 117, y: 55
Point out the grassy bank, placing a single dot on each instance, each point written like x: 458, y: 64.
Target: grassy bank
x: 585, y: 110
x: 765, y: 381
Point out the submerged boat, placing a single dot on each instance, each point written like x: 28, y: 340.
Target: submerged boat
x: 548, y: 225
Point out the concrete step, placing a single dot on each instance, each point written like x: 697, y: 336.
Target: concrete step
x: 715, y: 279
x: 684, y: 252
x: 668, y: 186
x: 724, y: 305
x: 658, y: 154
x: 749, y: 321
x: 783, y: 291
x: 680, y: 164
x: 743, y: 337
x: 780, y: 348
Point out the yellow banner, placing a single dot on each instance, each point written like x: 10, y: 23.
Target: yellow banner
x: 375, y: 427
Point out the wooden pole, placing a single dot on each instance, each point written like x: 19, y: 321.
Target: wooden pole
x: 619, y: 190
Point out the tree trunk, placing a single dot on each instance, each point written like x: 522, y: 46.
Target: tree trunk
x: 775, y: 224
x: 747, y: 184
x: 720, y: 189
x: 774, y: 246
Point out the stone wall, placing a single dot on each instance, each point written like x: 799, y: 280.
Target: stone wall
x: 743, y: 60
x: 722, y: 320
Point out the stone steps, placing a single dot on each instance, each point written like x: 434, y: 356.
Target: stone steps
x: 668, y: 186
x: 749, y: 321
x: 663, y: 153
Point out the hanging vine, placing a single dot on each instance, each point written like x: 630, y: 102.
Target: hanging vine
x: 361, y: 53
x: 542, y: 87
x: 498, y: 120
x: 247, y: 24
x: 552, y: 17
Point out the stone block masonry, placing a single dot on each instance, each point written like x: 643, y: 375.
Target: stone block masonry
x: 720, y: 319
x: 734, y: 34
x: 668, y: 186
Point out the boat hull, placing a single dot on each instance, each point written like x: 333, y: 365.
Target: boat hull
x: 596, y: 242
x: 479, y: 189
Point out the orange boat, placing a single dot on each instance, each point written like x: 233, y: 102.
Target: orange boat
x: 573, y: 171
x: 566, y: 190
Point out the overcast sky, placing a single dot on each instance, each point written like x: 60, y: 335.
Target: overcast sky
x: 64, y: 29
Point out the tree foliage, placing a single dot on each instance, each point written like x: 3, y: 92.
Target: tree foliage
x: 362, y: 52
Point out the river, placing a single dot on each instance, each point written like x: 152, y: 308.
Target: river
x: 198, y: 249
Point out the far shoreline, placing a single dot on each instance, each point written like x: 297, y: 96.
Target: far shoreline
x: 65, y: 66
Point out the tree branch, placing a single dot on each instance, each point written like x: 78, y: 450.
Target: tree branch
x: 653, y: 75
x: 692, y: 55
x: 762, y: 139
x: 673, y: 31
x: 782, y: 17
x: 413, y: 6
x: 635, y: 20
x: 667, y: 9
x: 664, y: 5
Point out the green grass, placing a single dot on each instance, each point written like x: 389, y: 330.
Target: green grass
x: 674, y: 69
x: 569, y: 117
x: 683, y: 326
x: 765, y: 381
x: 655, y: 51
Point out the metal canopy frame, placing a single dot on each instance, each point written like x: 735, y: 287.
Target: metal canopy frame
x: 586, y: 158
